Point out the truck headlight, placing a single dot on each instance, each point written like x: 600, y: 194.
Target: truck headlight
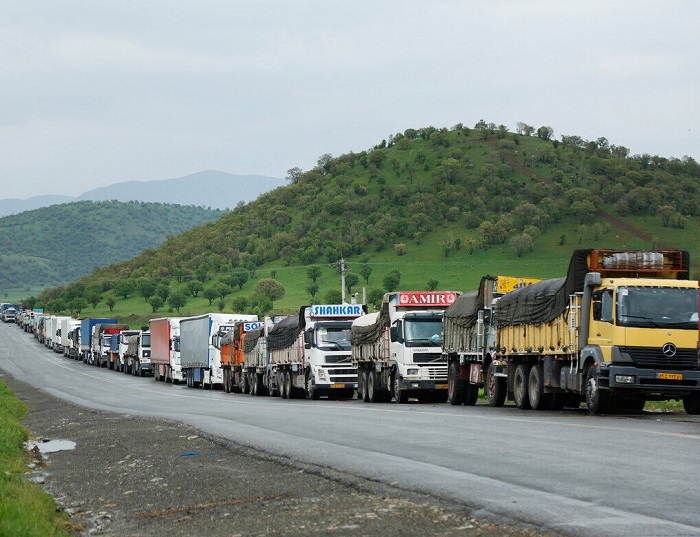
x: 321, y: 374
x: 412, y: 372
x: 625, y: 379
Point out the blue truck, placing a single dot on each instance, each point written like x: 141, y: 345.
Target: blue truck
x: 87, y: 326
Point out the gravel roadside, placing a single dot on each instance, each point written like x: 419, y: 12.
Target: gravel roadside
x: 136, y: 476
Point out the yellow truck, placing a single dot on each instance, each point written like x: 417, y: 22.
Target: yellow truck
x: 619, y: 330
x: 468, y: 342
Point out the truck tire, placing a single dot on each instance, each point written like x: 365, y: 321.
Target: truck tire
x: 597, y: 400
x: 311, y: 391
x: 520, y: 386
x: 365, y: 381
x: 373, y: 388
x: 400, y: 396
x: 361, y: 384
x: 288, y: 386
x: 259, y: 385
x: 471, y: 394
x: 455, y: 386
x: 691, y: 404
x: 538, y: 399
x: 495, y: 387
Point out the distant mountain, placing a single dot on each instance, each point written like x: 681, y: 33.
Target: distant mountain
x: 53, y: 245
x: 214, y: 189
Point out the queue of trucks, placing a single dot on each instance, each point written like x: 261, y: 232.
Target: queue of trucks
x: 618, y: 330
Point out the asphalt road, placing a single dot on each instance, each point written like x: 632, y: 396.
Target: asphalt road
x: 565, y: 471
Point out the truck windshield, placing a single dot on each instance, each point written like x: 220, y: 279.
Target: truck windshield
x: 333, y: 339
x: 675, y: 307
x: 423, y: 332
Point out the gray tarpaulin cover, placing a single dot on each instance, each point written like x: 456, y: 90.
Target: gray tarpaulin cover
x: 368, y: 328
x: 544, y: 301
x: 463, y: 312
x: 284, y: 333
x: 251, y: 338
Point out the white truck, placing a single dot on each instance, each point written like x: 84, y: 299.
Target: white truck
x: 67, y: 325
x: 165, y: 349
x: 469, y: 342
x: 200, y: 347
x: 137, y: 359
x: 310, y: 353
x: 257, y: 361
x: 398, y: 351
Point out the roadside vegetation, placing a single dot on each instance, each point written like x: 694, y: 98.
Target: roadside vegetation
x: 25, y: 509
x: 426, y: 208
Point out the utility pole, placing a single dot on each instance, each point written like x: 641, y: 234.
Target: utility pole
x: 342, y: 280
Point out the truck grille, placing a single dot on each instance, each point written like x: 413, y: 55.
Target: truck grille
x: 435, y: 373
x: 428, y: 357
x: 652, y: 357
x: 348, y: 374
x: 338, y: 359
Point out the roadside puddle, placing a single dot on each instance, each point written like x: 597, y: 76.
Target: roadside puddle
x: 50, y: 446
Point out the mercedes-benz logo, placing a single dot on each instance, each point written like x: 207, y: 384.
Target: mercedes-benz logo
x: 669, y: 350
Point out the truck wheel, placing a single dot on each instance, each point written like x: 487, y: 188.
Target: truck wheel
x: 495, y: 387
x: 365, y: 381
x: 455, y: 386
x: 288, y: 387
x: 520, y: 386
x: 311, y: 391
x: 691, y: 404
x: 373, y: 387
x: 597, y: 400
x: 259, y: 385
x: 538, y: 399
x: 361, y: 384
x: 471, y: 394
x: 400, y: 395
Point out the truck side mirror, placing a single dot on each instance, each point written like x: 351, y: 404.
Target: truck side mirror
x: 395, y: 333
x: 308, y: 339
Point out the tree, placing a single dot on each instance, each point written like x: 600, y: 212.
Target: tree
x: 272, y: 289
x: 313, y: 273
x: 432, y: 284
x: 545, y: 133
x: 239, y: 304
x: 163, y: 290
x: 312, y: 289
x: 222, y: 290
x: 351, y: 280
x: 123, y: 288
x: 520, y: 243
x: 583, y: 210
x: 210, y: 293
x: 260, y: 305
x: 93, y: 295
x: 195, y: 287
x: 294, y: 174
x: 146, y: 288
x: 177, y: 300
x: 221, y: 304
x: 333, y: 296
x: 391, y: 280
x: 156, y: 303
x: 110, y: 301
x: 238, y: 277
x: 365, y: 272
x: 375, y: 297
x: 77, y: 305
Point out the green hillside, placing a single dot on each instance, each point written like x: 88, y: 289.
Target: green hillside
x: 440, y: 206
x: 61, y: 243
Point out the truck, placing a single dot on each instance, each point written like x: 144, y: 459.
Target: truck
x: 469, y: 342
x: 310, y: 352
x: 620, y: 329
x: 137, y: 358
x: 9, y: 312
x: 118, y: 350
x: 87, y: 326
x: 165, y: 349
x: 66, y: 326
x: 236, y: 377
x: 102, y: 335
x: 257, y: 361
x: 200, y: 347
x: 73, y: 348
x: 398, y: 350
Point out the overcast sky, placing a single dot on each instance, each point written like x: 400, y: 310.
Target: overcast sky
x: 97, y: 92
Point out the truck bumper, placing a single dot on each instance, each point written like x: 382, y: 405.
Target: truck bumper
x: 653, y: 381
x: 425, y: 385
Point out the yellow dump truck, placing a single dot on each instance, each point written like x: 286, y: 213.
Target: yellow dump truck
x: 619, y: 330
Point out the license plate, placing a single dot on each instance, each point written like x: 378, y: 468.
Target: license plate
x: 669, y: 376
x: 441, y: 386
x: 337, y: 385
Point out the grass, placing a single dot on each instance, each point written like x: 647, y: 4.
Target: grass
x: 25, y: 509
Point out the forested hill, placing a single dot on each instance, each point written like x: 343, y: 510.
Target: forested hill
x: 445, y: 205
x: 60, y: 243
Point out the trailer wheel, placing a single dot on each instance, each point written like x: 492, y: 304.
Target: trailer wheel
x: 538, y: 399
x: 361, y: 384
x: 471, y: 394
x: 597, y: 400
x: 691, y: 404
x: 456, y: 387
x: 259, y: 385
x: 520, y: 386
x: 288, y: 387
x: 373, y: 395
x: 495, y: 387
